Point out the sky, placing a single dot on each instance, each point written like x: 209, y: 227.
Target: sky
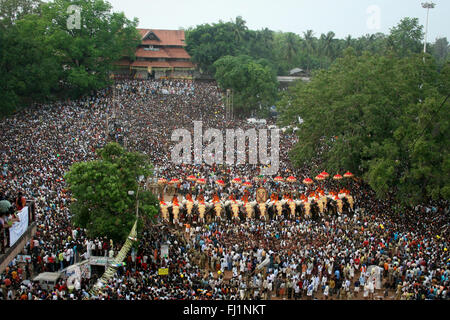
x: 343, y: 17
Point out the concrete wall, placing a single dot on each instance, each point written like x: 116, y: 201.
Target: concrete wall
x: 17, y: 248
x: 141, y: 74
x: 159, y: 74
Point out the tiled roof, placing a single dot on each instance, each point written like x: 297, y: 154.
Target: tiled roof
x: 179, y: 53
x: 181, y: 64
x: 157, y: 64
x: 166, y: 37
x: 152, y: 54
x: 174, y: 53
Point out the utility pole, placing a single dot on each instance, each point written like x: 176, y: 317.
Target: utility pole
x: 229, y: 105
x: 428, y: 6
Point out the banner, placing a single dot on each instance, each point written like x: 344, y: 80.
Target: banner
x: 19, y: 227
x: 163, y: 271
x: 164, y: 251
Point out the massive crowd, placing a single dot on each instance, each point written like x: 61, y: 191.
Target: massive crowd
x: 373, y: 249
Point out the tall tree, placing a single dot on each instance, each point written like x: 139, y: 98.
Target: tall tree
x: 405, y: 38
x: 41, y: 57
x: 440, y: 50
x: 383, y: 117
x: 87, y: 53
x: 101, y: 188
x: 253, y: 83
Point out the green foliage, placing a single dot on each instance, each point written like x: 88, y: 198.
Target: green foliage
x: 40, y: 58
x: 382, y: 117
x: 207, y: 43
x: 440, y: 50
x: 406, y: 37
x: 254, y: 83
x: 286, y: 50
x: 100, y: 187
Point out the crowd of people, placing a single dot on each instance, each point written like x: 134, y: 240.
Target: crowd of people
x: 371, y: 250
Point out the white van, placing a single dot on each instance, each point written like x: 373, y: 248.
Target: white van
x: 47, y: 280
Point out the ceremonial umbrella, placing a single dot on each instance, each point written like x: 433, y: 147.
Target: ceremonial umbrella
x: 237, y: 180
x: 247, y: 184
x: 324, y: 174
x: 174, y: 181
x: 220, y: 182
x: 278, y: 179
x: 291, y: 179
x: 348, y: 174
x: 337, y: 177
x: 320, y: 177
x: 191, y: 178
x: 162, y: 181
x: 201, y: 181
x: 307, y: 181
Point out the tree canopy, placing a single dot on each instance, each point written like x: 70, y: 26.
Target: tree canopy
x: 254, y: 83
x: 42, y: 57
x: 207, y: 43
x: 383, y: 117
x: 100, y: 187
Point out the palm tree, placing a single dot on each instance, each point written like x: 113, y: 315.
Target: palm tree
x: 309, y: 41
x: 239, y: 29
x: 291, y: 46
x: 349, y: 41
x: 328, y: 44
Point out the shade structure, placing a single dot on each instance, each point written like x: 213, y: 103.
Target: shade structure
x: 162, y: 181
x: 191, y: 178
x: 247, y: 184
x: 236, y: 181
x: 320, y: 177
x: 337, y: 177
x: 291, y: 179
x: 278, y: 179
x: 307, y: 181
x: 201, y: 181
x: 324, y: 174
x: 220, y: 182
x: 348, y: 174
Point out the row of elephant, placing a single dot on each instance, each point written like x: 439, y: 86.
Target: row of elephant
x: 201, y: 211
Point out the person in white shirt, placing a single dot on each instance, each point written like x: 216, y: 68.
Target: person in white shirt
x: 326, y: 292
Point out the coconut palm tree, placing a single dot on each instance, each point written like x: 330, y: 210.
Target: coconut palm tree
x: 239, y: 29
x: 309, y: 41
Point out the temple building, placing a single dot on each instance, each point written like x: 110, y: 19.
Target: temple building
x: 161, y: 54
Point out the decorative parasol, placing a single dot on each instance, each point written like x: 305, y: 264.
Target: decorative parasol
x: 201, y: 181
x: 247, y: 184
x: 174, y: 181
x: 307, y: 181
x: 320, y: 177
x: 191, y: 178
x: 291, y: 179
x: 337, y: 177
x: 324, y: 174
x: 220, y: 182
x: 236, y: 180
x: 278, y: 179
x: 348, y: 174
x: 162, y: 181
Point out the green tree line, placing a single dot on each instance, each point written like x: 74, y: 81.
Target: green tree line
x: 383, y: 117
x: 206, y: 43
x: 44, y: 55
